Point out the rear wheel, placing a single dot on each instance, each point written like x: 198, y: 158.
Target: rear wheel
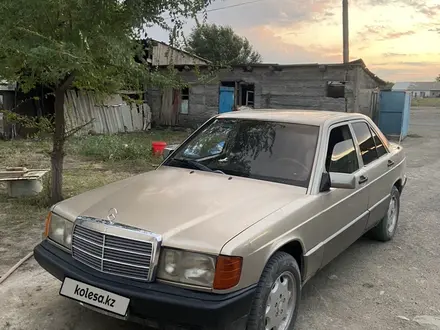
x: 386, y: 228
x: 276, y: 300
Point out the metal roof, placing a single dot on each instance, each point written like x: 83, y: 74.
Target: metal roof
x: 356, y: 63
x: 298, y: 116
x: 416, y: 86
x: 181, y: 50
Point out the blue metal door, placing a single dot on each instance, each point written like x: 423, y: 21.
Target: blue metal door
x: 395, y: 108
x: 226, y: 99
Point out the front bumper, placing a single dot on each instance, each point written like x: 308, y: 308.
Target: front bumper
x: 155, y: 304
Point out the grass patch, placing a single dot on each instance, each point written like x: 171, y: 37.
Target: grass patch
x: 425, y: 102
x: 90, y: 162
x: 27, y: 153
x: 121, y: 147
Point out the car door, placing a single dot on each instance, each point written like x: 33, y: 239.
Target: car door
x: 346, y: 214
x: 377, y: 163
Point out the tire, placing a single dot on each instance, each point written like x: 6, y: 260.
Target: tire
x: 280, y: 266
x: 385, y: 230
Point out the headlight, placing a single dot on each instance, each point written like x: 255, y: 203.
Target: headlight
x: 59, y: 230
x: 187, y: 267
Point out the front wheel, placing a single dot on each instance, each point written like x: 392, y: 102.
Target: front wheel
x: 386, y: 228
x: 277, y: 297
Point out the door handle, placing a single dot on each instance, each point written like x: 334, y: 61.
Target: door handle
x: 390, y: 163
x: 363, y: 179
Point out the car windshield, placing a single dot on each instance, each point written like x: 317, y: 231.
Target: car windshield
x: 264, y: 150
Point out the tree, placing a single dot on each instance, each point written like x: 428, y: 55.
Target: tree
x: 221, y: 45
x: 92, y: 44
x: 438, y: 78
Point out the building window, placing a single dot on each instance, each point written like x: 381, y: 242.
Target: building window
x: 184, y: 101
x: 247, y: 95
x: 336, y: 89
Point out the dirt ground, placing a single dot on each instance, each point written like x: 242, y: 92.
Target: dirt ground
x: 371, y: 286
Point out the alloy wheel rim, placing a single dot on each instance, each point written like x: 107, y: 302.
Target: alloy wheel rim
x: 392, y: 215
x: 281, y: 302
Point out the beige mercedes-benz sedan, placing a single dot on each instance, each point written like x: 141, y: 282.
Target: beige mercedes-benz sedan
x: 227, y: 230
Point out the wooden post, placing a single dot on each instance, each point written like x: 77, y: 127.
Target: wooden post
x: 345, y: 33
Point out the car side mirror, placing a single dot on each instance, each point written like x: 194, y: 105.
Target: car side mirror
x: 325, y: 182
x: 169, y: 149
x: 342, y: 180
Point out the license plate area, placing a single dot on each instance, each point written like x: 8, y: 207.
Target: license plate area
x: 93, y: 296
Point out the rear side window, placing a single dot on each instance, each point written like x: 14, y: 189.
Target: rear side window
x: 383, y: 138
x: 379, y: 145
x: 341, y: 153
x: 366, y: 142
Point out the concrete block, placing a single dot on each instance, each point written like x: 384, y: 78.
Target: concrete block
x: 24, y: 188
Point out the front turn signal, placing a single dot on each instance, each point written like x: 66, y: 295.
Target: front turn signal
x: 227, y: 272
x: 47, y: 224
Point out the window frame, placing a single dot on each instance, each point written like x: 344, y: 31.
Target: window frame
x: 380, y: 138
x: 370, y: 128
x: 354, y: 146
x: 181, y: 101
x: 335, y: 84
x: 383, y: 144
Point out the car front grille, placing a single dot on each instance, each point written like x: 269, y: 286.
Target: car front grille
x: 112, y: 254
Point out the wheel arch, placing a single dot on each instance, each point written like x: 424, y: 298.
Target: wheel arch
x: 399, y: 185
x: 295, y: 248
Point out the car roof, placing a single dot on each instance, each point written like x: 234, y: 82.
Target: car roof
x: 295, y: 116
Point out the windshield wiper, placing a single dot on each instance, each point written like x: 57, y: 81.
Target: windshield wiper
x: 195, y: 164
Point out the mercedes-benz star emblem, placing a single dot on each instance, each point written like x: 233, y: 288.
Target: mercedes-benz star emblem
x: 112, y: 213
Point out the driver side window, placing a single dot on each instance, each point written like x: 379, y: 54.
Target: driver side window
x: 341, y: 153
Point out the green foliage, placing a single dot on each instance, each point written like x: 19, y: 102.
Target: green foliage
x: 112, y: 148
x: 122, y: 147
x: 426, y: 102
x: 438, y: 78
x: 88, y: 44
x: 41, y: 125
x: 221, y: 45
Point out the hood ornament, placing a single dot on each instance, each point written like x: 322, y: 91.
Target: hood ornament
x: 112, y: 213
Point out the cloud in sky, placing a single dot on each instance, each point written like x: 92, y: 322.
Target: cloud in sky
x: 428, y: 8
x: 390, y: 35
x: 395, y: 35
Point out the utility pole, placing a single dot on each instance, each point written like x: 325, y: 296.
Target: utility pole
x: 345, y: 31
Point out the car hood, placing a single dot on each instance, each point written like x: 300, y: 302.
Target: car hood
x: 192, y: 210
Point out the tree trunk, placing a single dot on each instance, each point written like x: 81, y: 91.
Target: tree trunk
x: 57, y: 156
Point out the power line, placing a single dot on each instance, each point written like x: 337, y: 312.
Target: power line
x: 225, y: 7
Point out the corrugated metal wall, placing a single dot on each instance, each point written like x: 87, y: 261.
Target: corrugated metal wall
x: 111, y: 115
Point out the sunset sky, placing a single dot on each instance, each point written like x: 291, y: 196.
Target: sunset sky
x: 399, y: 40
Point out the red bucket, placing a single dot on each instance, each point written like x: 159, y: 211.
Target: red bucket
x: 158, y: 148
